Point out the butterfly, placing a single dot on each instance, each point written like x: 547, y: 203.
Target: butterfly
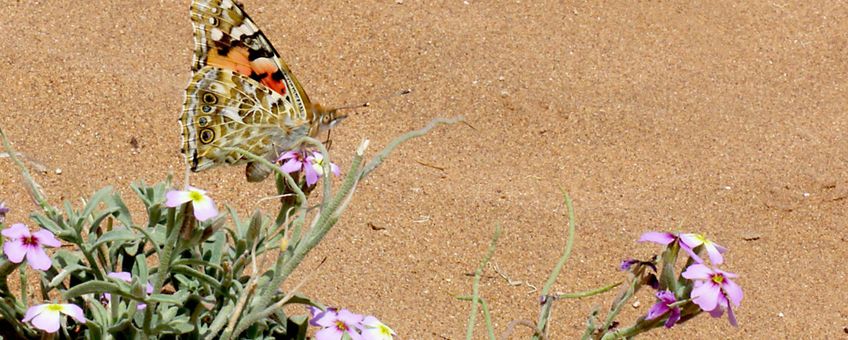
x: 242, y: 95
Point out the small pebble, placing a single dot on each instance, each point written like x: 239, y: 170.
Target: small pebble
x: 504, y: 93
x: 58, y: 171
x: 636, y: 304
x: 399, y: 2
x: 780, y: 315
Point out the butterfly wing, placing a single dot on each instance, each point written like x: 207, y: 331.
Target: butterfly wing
x: 225, y: 37
x: 225, y: 109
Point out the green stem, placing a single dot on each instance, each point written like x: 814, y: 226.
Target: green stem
x: 475, y: 295
x: 569, y: 245
x: 33, y: 187
x: 588, y: 293
x: 486, y: 314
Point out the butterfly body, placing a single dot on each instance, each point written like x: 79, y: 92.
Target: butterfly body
x: 241, y: 94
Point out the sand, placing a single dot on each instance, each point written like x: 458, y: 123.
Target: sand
x: 724, y: 118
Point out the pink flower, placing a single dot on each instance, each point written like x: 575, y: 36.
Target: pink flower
x: 204, y: 207
x: 662, y: 306
x: 312, y: 164
x: 714, y: 290
x: 335, y: 324
x: 22, y: 243
x: 688, y: 242
x: 714, y: 250
x: 127, y: 277
x: 46, y: 316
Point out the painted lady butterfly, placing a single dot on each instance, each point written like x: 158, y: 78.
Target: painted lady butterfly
x: 241, y: 94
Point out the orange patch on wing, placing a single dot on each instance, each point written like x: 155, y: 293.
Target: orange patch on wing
x: 236, y: 60
x: 266, y: 68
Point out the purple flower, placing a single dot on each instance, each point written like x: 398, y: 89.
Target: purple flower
x: 312, y: 164
x: 628, y: 263
x: 22, y: 243
x: 127, y: 277
x: 46, y: 316
x: 204, y: 207
x: 3, y: 210
x: 714, y: 290
x: 662, y: 306
x: 373, y: 329
x: 335, y: 324
x: 299, y: 161
x: 713, y: 250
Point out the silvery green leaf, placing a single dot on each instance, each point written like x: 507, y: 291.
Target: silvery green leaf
x: 92, y: 287
x: 66, y: 270
x: 92, y: 204
x: 122, y: 234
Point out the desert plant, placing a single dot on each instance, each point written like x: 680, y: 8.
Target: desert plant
x: 184, y: 270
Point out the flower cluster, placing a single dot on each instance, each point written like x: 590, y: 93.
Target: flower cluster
x: 335, y: 324
x: 711, y: 289
x: 310, y: 162
x: 20, y: 243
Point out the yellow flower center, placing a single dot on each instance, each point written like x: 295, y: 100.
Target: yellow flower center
x: 195, y: 196
x: 718, y: 278
x: 54, y: 307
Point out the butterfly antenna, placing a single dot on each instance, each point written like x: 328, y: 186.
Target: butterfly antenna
x: 368, y: 103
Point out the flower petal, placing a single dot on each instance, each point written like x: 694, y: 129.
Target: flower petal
x: 673, y: 317
x: 123, y: 276
x: 37, y: 258
x: 657, y: 310
x: 717, y: 312
x: 176, y: 198
x: 47, y: 238
x: 350, y: 319
x: 691, y: 252
x: 733, y: 291
x: 326, y: 318
x: 311, y: 175
x: 287, y: 155
x: 692, y: 240
x: 204, y: 209
x: 73, y: 311
x: 335, y: 169
x: 292, y: 165
x: 697, y: 272
x: 15, y: 250
x: 713, y: 253
x: 666, y: 296
x: 731, y: 316
x: 706, y: 296
x: 329, y: 333
x: 657, y: 237
x: 15, y: 231
x: 33, y: 311
x: 47, y: 320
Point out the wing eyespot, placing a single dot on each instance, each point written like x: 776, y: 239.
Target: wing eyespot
x: 210, y: 98
x: 202, y: 121
x: 207, y: 136
x: 206, y: 108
